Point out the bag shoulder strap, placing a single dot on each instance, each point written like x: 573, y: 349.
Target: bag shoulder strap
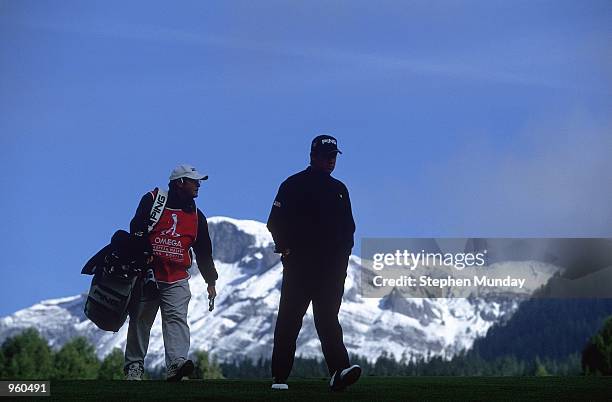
x: 159, y: 203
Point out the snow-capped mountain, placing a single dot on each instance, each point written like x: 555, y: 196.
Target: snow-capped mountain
x: 248, y: 294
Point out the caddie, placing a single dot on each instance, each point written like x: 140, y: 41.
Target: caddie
x: 175, y: 227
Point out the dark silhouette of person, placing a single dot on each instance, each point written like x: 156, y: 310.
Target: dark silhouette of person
x: 312, y: 225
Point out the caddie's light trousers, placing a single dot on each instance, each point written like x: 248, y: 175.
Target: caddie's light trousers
x: 173, y: 300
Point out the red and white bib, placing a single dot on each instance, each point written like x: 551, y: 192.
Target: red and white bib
x: 171, y: 239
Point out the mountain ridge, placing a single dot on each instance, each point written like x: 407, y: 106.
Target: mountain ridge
x: 242, y: 323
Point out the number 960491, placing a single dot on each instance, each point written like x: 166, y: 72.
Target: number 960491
x: 17, y: 388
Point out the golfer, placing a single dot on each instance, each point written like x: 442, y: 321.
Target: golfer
x: 312, y: 225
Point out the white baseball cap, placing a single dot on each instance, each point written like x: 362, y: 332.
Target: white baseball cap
x: 187, y: 171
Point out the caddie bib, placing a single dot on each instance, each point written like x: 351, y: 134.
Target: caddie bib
x: 171, y: 239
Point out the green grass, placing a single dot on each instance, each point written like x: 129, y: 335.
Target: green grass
x: 367, y: 389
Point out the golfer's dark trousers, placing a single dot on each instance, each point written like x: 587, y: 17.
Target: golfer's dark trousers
x: 322, y: 282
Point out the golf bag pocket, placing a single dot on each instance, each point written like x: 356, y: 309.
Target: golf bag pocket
x: 108, y: 300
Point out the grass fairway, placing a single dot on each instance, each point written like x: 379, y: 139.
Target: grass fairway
x: 367, y: 389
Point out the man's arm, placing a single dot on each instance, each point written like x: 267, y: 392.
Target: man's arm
x: 349, y: 224
x: 279, y: 219
x: 139, y: 225
x: 203, y: 252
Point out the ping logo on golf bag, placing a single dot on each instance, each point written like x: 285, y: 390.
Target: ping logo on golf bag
x: 159, y: 203
x: 108, y: 300
x: 158, y: 208
x: 104, y: 298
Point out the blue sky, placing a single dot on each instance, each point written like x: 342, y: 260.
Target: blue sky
x: 456, y: 118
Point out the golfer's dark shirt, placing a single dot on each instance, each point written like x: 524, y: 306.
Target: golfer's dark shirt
x: 312, y: 216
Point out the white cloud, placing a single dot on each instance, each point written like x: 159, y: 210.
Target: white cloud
x: 558, y: 183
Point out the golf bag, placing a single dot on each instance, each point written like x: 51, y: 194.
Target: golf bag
x: 115, y: 271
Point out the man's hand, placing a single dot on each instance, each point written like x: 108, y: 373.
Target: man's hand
x: 212, y: 292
